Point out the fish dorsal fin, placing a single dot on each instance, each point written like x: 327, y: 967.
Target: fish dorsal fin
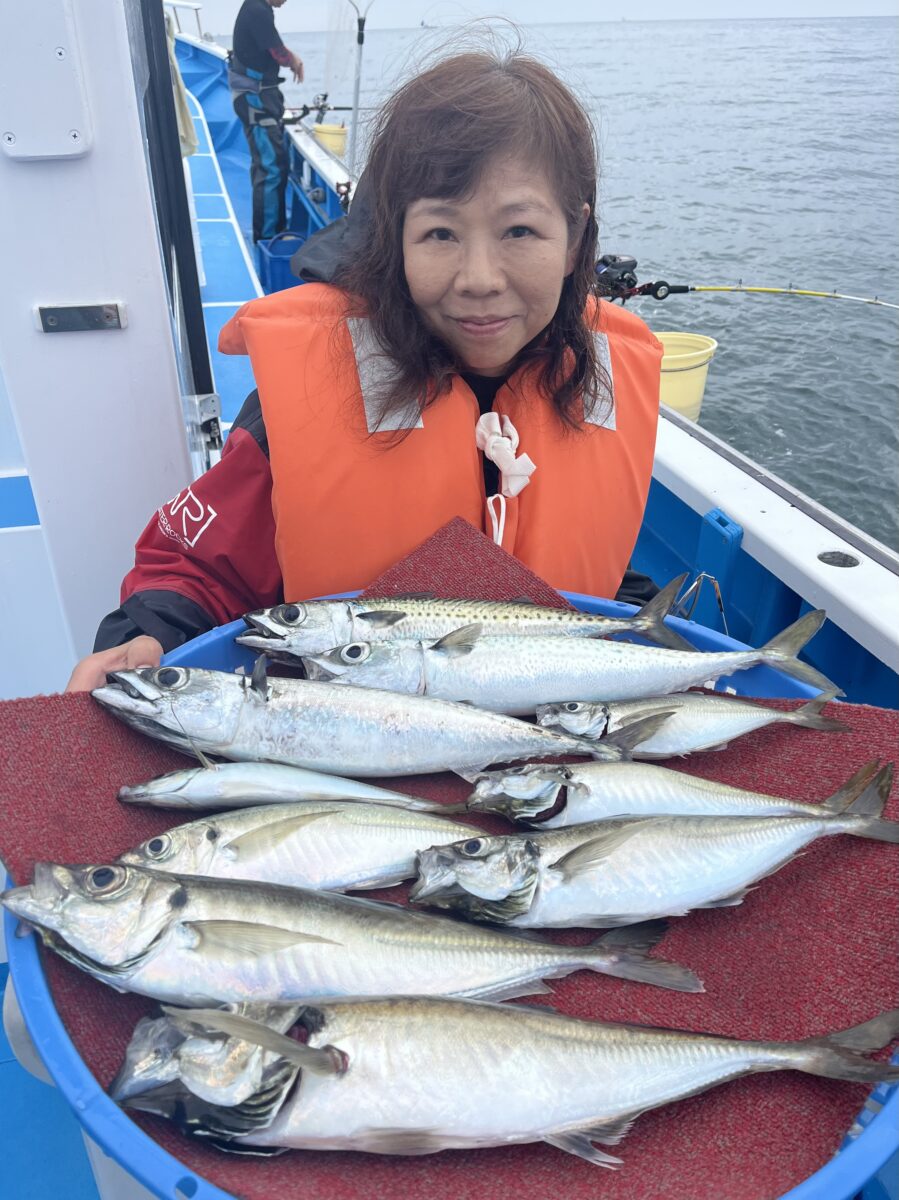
x: 243, y: 937
x: 266, y: 837
x: 259, y: 686
x: 381, y: 619
x: 595, y: 851
x: 572, y: 1141
x: 460, y: 641
x: 327, y: 1060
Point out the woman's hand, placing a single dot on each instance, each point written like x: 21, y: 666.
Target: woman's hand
x: 91, y: 672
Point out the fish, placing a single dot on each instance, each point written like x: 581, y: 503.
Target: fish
x: 554, y: 796
x: 241, y: 784
x: 334, y: 845
x: 195, y: 942
x: 516, y: 675
x: 612, y: 873
x: 322, y: 727
x: 289, y: 631
x: 423, y: 1075
x: 697, y: 721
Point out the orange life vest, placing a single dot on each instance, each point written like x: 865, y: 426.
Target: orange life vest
x: 349, y: 502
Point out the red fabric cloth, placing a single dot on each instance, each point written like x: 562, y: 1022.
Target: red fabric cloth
x: 811, y: 950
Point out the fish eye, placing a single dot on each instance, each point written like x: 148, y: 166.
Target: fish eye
x: 290, y: 614
x: 158, y: 847
x: 355, y: 653
x: 104, y: 880
x: 572, y: 707
x: 473, y: 847
x: 170, y: 677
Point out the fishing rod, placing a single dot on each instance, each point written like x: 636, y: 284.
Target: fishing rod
x: 618, y: 281
x: 320, y: 107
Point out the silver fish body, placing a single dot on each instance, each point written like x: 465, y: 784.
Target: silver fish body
x: 557, y: 796
x: 322, y: 727
x: 611, y: 873
x: 241, y: 784
x: 336, y: 845
x: 425, y: 1075
x: 696, y: 722
x: 198, y: 942
x: 516, y: 675
x: 288, y: 631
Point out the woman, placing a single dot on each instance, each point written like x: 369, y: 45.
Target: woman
x: 460, y: 367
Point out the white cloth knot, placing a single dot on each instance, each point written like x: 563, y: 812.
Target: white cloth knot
x: 499, y: 441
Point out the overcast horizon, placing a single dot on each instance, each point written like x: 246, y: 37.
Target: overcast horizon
x: 322, y: 16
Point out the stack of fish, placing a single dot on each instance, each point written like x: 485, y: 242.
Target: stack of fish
x: 312, y: 1019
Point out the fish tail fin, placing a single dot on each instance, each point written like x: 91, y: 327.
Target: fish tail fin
x: 852, y: 789
x: 650, y: 620
x: 870, y: 804
x: 624, y: 953
x: 842, y: 1055
x: 781, y: 652
x: 810, y: 714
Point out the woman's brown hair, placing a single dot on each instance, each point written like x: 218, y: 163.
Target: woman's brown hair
x: 433, y: 138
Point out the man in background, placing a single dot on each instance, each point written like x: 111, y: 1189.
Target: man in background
x: 257, y: 54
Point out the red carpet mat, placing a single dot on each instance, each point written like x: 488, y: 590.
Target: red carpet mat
x: 813, y: 949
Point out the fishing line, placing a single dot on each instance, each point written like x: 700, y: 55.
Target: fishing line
x: 790, y: 291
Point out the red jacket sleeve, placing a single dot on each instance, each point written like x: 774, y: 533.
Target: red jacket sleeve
x: 214, y: 543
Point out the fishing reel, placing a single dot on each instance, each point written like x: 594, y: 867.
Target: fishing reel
x: 319, y: 106
x: 617, y: 278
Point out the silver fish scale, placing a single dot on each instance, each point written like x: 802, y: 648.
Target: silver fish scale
x: 372, y: 950
x: 380, y: 733
x: 515, y: 675
x: 667, y: 867
x: 306, y: 844
x: 696, y: 723
x: 427, y: 619
x: 477, y: 1077
x: 600, y: 790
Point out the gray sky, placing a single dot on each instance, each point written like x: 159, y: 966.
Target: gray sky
x: 299, y: 16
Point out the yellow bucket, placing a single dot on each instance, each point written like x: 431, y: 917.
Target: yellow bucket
x: 332, y: 137
x: 685, y: 366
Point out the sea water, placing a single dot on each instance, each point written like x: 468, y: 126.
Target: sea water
x: 761, y: 151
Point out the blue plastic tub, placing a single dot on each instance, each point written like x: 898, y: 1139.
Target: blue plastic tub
x: 273, y: 261
x: 864, y: 1166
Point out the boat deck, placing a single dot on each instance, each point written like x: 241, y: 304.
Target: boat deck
x: 228, y: 277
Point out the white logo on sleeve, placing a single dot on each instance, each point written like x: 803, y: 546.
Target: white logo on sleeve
x: 185, y: 518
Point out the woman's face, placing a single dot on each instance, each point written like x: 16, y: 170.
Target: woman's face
x: 486, y: 272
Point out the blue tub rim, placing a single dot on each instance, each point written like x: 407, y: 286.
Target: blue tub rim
x: 861, y: 1156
